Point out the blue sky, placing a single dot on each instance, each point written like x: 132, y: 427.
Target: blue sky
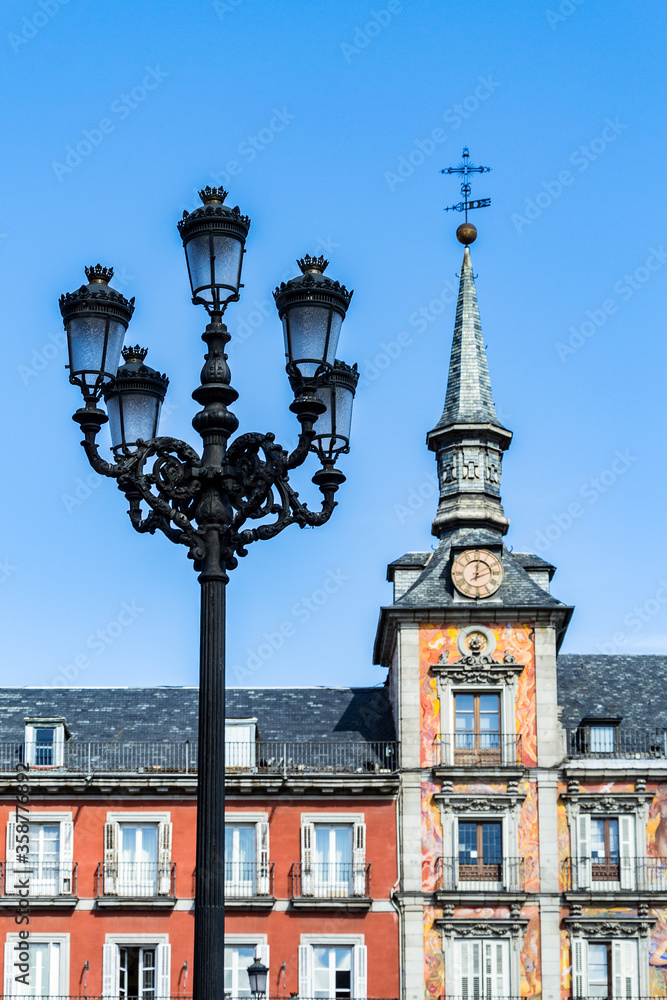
x: 329, y: 123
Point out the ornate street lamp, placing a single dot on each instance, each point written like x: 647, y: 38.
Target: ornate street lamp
x: 257, y: 975
x: 203, y: 502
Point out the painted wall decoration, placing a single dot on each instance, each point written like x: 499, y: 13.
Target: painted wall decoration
x: 431, y: 835
x: 529, y: 837
x: 515, y: 638
x: 531, y: 975
x: 434, y: 961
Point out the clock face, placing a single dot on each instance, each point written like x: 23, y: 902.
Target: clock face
x: 477, y: 573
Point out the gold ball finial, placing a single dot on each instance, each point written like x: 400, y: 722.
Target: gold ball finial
x: 466, y: 233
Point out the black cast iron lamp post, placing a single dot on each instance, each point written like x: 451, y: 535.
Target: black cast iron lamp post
x: 204, y: 501
x: 257, y: 976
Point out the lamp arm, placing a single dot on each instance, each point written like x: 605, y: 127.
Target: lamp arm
x: 289, y: 511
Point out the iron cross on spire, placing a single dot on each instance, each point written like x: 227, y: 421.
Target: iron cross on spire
x: 465, y: 169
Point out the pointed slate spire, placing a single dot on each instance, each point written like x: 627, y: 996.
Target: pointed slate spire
x: 469, y: 439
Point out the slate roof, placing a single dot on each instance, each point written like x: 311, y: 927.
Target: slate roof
x: 630, y: 688
x: 469, y: 398
x: 170, y: 713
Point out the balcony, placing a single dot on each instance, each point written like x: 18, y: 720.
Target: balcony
x: 277, y: 757
x: 50, y: 884
x: 505, y: 876
x: 248, y: 885
x: 614, y: 744
x: 135, y: 883
x: 617, y: 875
x: 482, y: 751
x: 331, y: 885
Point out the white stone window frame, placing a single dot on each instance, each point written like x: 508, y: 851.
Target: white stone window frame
x: 456, y: 931
x: 448, y: 688
x: 61, y: 733
x: 607, y: 929
x: 241, y: 754
x: 64, y: 820
x: 502, y: 807
x: 607, y: 806
x: 111, y: 954
x: 252, y: 940
x: 260, y: 820
x: 111, y: 848
x: 41, y: 937
x: 357, y: 823
x: 359, y: 960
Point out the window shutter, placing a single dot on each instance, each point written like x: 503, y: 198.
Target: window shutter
x: 580, y: 967
x: 10, y: 856
x: 54, y: 968
x: 111, y: 831
x: 469, y: 968
x: 262, y: 952
x: 583, y: 852
x: 307, y: 842
x: 164, y: 859
x: 66, y: 879
x: 110, y: 984
x: 305, y: 971
x: 263, y: 864
x: 624, y: 969
x: 475, y: 977
x: 163, y: 968
x: 58, y: 746
x: 627, y: 851
x: 360, y: 988
x: 359, y: 859
x: 29, y: 744
x: 9, y: 969
x: 501, y: 970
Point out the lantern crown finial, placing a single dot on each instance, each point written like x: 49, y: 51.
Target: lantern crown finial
x: 313, y: 265
x: 213, y: 195
x: 97, y: 274
x: 137, y: 353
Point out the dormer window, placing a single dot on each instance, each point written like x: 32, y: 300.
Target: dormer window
x: 45, y: 742
x: 240, y: 739
x: 598, y: 737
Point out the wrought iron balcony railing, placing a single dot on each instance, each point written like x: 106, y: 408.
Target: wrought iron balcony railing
x: 609, y: 743
x: 261, y: 757
x: 135, y: 879
x: 39, y: 878
x: 477, y: 750
x: 245, y: 880
x: 500, y: 874
x: 330, y: 881
x: 613, y: 874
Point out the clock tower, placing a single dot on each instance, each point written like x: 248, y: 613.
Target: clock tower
x: 470, y: 642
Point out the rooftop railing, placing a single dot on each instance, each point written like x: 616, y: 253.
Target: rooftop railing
x: 286, y: 757
x: 608, y: 743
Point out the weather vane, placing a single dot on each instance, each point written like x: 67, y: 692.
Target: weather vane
x: 466, y: 233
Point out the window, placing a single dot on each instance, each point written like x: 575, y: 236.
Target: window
x: 136, y: 973
x: 136, y: 966
x: 604, y: 852
x: 238, y: 957
x: 50, y: 838
x: 48, y: 961
x: 333, y: 859
x: 480, y: 851
x: 604, y: 968
x: 44, y: 742
x: 602, y: 739
x: 477, y: 727
x: 482, y: 969
x: 332, y: 968
x: 137, y: 856
x: 240, y: 741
